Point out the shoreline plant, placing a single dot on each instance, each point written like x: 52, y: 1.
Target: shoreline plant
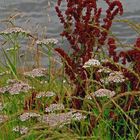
x: 86, y: 33
x: 91, y: 42
x: 94, y: 94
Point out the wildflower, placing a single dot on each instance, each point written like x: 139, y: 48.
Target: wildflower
x: 56, y: 119
x: 116, y: 77
x: 47, y: 41
x: 38, y: 72
x: 45, y: 94
x: 77, y: 116
x: 88, y: 97
x: 27, y: 115
x: 101, y: 93
x: 11, y: 81
x: 64, y: 81
x: 61, y: 118
x: 104, y: 93
x: 92, y: 62
x: 14, y: 30
x: 43, y: 82
x: 54, y: 107
x: 104, y: 70
x: 3, y: 118
x: 21, y: 129
x: 15, y: 87
x: 104, y: 80
x: 3, y: 89
x: 18, y: 87
x: 104, y: 60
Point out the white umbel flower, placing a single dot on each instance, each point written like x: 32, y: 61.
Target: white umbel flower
x: 14, y: 30
x: 47, y: 41
x: 37, y: 72
x: 101, y: 93
x: 104, y: 70
x: 55, y: 107
x: 27, y: 115
x: 54, y: 120
x: 104, y: 92
x: 77, y: 116
x: 61, y: 119
x: 92, y: 62
x: 116, y: 77
x: 21, y: 129
x: 45, y: 94
x: 15, y: 87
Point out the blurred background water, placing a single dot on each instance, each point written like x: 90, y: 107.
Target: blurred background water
x: 39, y: 16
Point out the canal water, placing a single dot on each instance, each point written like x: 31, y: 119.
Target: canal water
x: 39, y: 16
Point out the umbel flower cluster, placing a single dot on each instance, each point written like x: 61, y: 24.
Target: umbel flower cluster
x: 15, y: 87
x: 14, y: 30
x: 86, y: 33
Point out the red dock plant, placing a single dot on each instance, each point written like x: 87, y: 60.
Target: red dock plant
x: 86, y: 33
x: 130, y: 56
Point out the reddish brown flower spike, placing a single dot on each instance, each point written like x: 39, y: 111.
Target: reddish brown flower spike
x: 82, y: 29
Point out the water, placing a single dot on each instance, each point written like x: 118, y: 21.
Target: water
x: 39, y: 16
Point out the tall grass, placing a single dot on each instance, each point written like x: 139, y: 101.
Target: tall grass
x: 104, y: 118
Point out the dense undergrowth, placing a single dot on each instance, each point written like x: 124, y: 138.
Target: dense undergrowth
x: 93, y: 93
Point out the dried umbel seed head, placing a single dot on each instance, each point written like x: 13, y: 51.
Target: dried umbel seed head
x: 14, y: 30
x: 21, y: 129
x: 38, y: 72
x: 47, y: 41
x: 45, y: 94
x: 54, y: 107
x: 27, y: 115
x: 92, y: 62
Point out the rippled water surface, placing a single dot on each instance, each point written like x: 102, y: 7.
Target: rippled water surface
x: 38, y: 16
